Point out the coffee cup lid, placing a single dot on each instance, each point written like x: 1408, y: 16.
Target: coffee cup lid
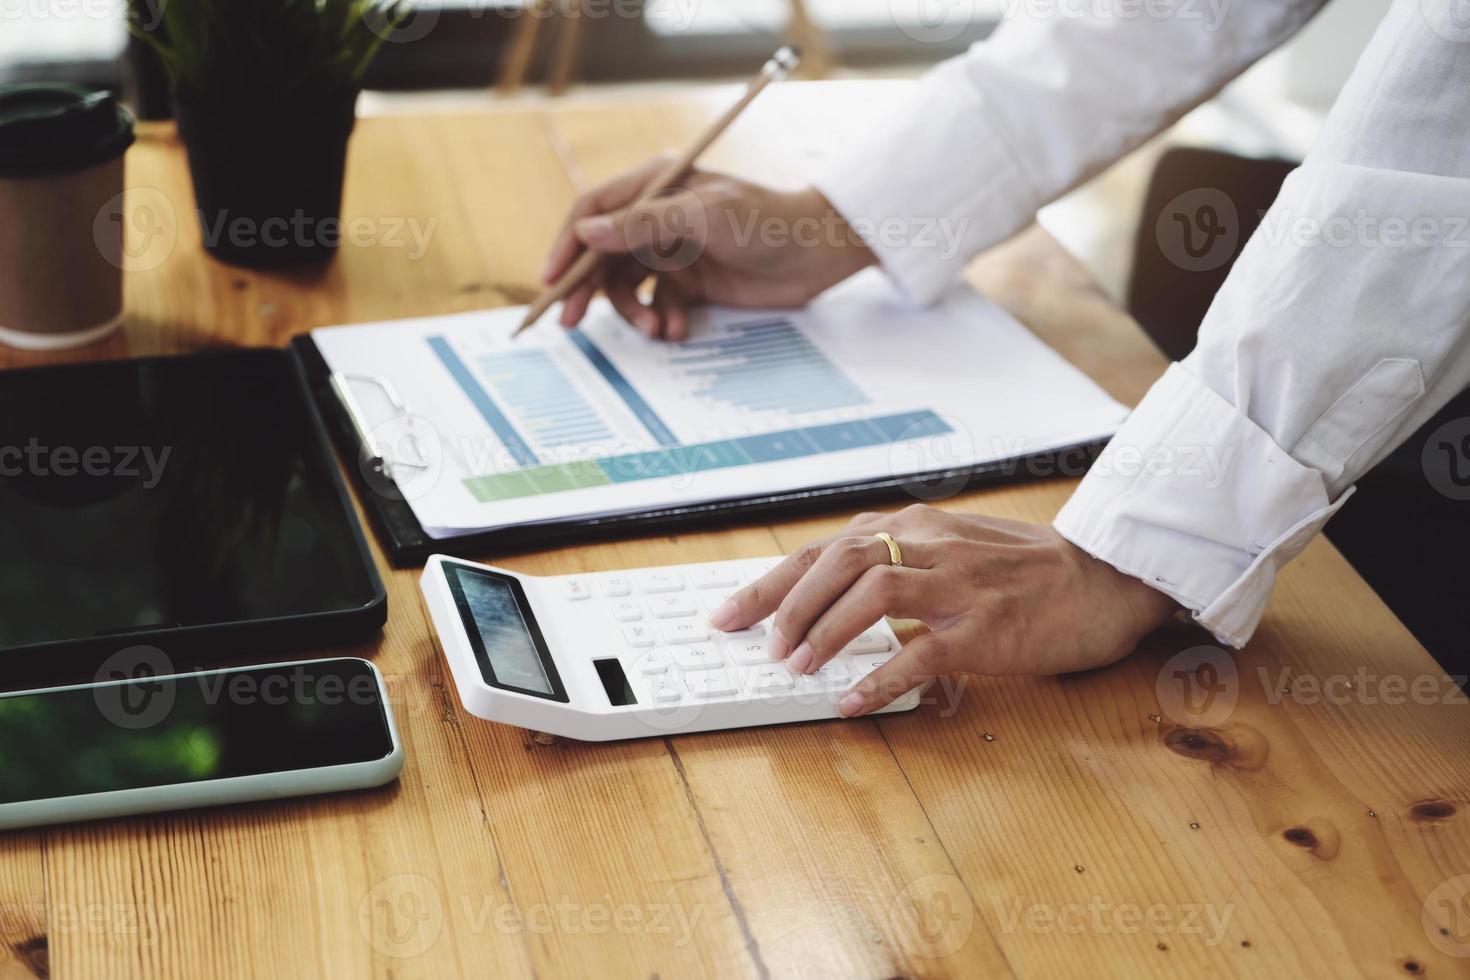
x: 53, y: 129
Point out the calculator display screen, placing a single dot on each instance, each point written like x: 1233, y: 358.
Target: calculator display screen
x: 503, y: 631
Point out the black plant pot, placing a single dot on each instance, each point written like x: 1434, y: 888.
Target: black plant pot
x: 268, y: 182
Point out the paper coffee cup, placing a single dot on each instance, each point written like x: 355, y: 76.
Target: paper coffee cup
x: 61, y: 163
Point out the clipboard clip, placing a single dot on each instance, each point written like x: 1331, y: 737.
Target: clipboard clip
x: 367, y: 442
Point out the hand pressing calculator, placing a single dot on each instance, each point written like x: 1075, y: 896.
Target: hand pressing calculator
x: 628, y: 654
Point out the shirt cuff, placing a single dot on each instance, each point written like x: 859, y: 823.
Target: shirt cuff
x: 933, y: 185
x: 1198, y: 501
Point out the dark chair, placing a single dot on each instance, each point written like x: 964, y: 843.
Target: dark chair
x: 1401, y: 534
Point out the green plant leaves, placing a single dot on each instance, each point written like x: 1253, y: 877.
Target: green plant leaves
x: 264, y: 52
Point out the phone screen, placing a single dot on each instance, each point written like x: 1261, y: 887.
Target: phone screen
x: 188, y: 728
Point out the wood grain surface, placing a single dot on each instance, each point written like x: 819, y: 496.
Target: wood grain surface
x: 1299, y: 809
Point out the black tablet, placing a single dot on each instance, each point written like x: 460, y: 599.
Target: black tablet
x: 188, y: 503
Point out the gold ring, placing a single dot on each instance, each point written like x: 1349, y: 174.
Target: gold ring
x: 895, y: 554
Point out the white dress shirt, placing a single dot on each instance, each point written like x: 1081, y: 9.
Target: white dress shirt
x: 1342, y: 328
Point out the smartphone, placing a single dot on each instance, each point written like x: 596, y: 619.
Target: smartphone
x: 147, y: 744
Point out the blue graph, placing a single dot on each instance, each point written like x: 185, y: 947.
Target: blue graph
x: 766, y: 366
x: 547, y: 405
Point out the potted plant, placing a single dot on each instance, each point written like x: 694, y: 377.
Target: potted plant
x: 265, y: 94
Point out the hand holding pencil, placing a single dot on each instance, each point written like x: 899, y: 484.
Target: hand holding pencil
x: 704, y: 237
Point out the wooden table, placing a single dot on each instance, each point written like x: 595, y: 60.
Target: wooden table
x: 1057, y: 826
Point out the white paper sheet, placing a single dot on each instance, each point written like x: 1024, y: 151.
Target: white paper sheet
x: 601, y: 421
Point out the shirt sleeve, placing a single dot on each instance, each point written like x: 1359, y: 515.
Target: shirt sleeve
x: 1342, y: 328
x: 1044, y: 103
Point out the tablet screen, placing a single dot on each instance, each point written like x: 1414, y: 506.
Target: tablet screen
x: 148, y: 495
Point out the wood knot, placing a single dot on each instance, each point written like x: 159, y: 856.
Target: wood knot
x: 1428, y: 810
x: 1321, y: 839
x: 1232, y: 747
x: 1412, y: 967
x: 1301, y: 836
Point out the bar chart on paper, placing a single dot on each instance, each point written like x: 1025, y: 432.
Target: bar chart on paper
x: 858, y: 391
x: 770, y: 391
x: 764, y: 366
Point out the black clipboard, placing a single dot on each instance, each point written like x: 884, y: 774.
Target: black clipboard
x: 407, y: 544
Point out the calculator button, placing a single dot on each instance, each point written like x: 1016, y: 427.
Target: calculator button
x: 749, y: 654
x: 661, y: 582
x: 688, y: 632
x: 709, y: 684
x: 665, y: 691
x: 769, y: 679
x: 696, y: 656
x: 749, y: 633
x: 616, y: 586
x: 872, y: 641
x: 716, y: 600
x: 652, y: 662
x: 575, y: 588
x: 715, y: 578
x: 671, y: 607
x: 627, y: 611
x: 638, y: 635
x: 862, y: 666
x: 833, y: 673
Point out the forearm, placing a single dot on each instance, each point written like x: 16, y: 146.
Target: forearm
x: 1043, y: 104
x: 1343, y: 327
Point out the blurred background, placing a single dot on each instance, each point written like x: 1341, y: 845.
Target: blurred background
x: 459, y: 51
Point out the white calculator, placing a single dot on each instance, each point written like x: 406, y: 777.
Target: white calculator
x: 627, y: 654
